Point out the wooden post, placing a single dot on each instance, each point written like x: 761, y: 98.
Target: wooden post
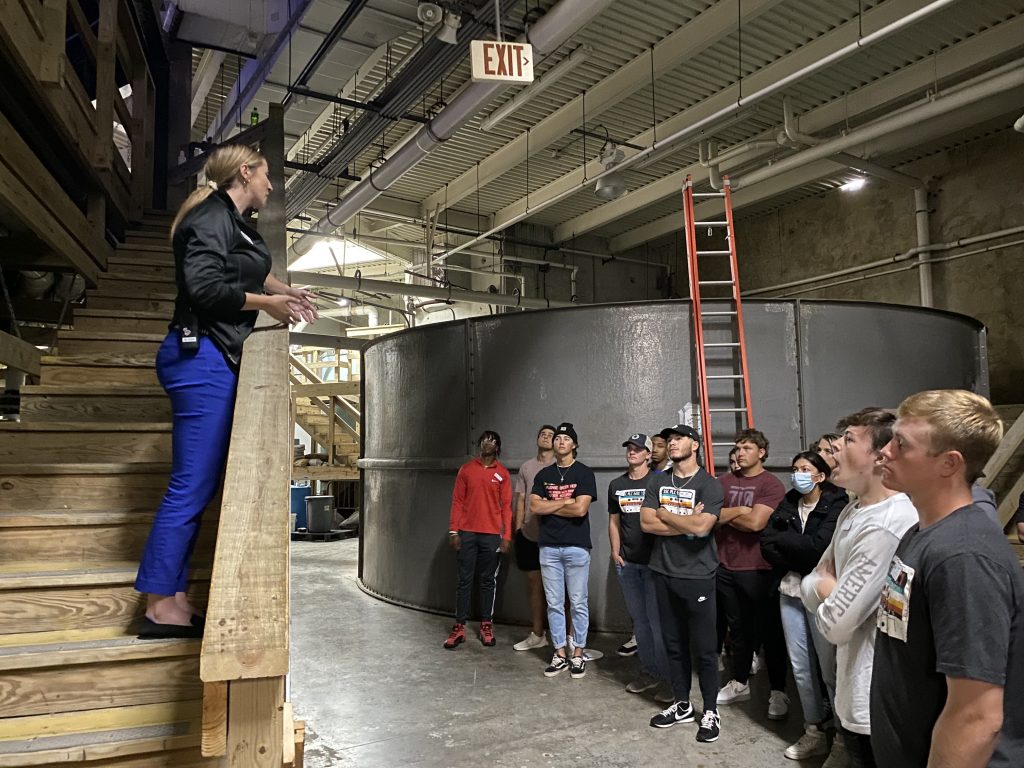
x: 255, y: 730
x: 106, y: 85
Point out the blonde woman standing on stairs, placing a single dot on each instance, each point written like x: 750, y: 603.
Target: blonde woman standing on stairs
x: 222, y: 271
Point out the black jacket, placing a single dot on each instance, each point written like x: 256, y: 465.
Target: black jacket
x: 218, y: 258
x: 786, y: 547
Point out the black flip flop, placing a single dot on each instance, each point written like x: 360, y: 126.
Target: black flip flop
x: 151, y: 630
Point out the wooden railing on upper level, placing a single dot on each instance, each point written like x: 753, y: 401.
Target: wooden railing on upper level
x: 244, y: 658
x: 79, y: 93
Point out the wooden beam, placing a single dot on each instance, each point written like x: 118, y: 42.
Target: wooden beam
x: 215, y: 719
x: 19, y: 354
x: 288, y: 735
x: 1009, y: 506
x: 339, y: 388
x: 255, y: 730
x: 1011, y: 441
x: 329, y: 342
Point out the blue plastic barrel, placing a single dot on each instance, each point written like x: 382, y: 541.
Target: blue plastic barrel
x: 298, y: 502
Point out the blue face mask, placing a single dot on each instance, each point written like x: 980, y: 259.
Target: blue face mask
x: 802, y: 482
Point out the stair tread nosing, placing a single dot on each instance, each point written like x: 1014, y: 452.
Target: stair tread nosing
x: 107, y: 336
x: 63, y: 748
x: 50, y: 574
x: 85, y: 426
x: 113, y: 360
x: 84, y: 390
x: 125, y: 648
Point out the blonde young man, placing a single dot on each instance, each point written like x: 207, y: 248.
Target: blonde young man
x: 843, y: 591
x: 949, y: 654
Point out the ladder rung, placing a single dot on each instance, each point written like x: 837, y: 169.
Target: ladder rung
x: 725, y: 376
x: 711, y: 223
x: 730, y: 443
x: 709, y: 194
x: 714, y: 282
x: 717, y: 313
x: 727, y: 410
x: 723, y: 344
x: 714, y: 253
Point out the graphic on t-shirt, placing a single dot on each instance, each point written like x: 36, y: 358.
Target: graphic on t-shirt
x: 497, y: 478
x: 630, y: 500
x: 678, y: 501
x: 894, y: 608
x: 556, y: 491
x: 740, y: 496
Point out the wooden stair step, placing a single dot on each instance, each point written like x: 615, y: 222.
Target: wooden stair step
x: 92, y: 342
x: 55, y: 518
x: 97, y: 402
x: 100, y: 368
x: 144, y: 258
x: 148, y: 272
x: 34, y: 575
x: 84, y: 441
x: 110, y: 321
x: 54, y: 651
x: 86, y: 485
x: 104, y: 735
x: 146, y: 303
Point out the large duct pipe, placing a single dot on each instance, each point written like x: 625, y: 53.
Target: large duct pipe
x: 553, y: 29
x: 424, y: 291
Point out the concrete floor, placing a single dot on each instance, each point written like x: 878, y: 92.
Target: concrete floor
x: 376, y: 689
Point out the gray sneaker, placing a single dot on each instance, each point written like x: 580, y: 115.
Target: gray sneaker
x: 643, y: 682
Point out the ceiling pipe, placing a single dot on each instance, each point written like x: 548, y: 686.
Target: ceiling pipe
x: 909, y: 254
x: 424, y: 291
x: 553, y: 29
x: 699, y: 127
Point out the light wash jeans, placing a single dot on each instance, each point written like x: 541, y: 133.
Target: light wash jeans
x: 566, y: 569
x: 638, y: 591
x: 803, y: 657
x: 826, y: 653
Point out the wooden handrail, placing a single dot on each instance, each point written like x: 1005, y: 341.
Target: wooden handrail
x: 19, y: 354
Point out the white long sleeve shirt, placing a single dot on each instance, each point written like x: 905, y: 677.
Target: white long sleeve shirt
x: 861, y: 549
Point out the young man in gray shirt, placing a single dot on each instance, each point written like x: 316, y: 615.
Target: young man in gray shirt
x: 681, y: 507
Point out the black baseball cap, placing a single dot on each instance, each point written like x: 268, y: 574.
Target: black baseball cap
x: 640, y: 440
x: 680, y: 429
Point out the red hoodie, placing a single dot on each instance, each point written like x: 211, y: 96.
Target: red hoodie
x: 482, y: 501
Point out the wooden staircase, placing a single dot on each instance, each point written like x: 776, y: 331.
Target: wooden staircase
x: 1004, y: 472
x: 80, y: 479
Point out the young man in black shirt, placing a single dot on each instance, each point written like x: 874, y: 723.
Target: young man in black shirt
x: 949, y: 651
x: 681, y: 507
x: 631, y: 553
x: 561, y: 497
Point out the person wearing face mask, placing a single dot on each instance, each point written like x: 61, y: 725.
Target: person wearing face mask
x: 794, y: 540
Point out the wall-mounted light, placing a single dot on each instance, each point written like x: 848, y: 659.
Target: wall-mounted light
x: 853, y: 185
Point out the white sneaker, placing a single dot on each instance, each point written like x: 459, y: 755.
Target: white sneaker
x: 811, y: 744
x: 755, y: 665
x: 778, y: 705
x: 532, y: 641
x: 733, y: 692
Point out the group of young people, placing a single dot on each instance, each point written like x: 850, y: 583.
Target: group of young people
x: 878, y: 577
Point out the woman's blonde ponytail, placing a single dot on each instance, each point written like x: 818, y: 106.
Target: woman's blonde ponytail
x: 222, y: 170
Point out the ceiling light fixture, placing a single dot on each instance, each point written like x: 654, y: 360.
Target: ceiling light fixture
x: 613, y: 185
x: 853, y: 185
x: 448, y: 31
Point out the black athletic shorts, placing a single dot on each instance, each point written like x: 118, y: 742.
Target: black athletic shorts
x: 527, y: 553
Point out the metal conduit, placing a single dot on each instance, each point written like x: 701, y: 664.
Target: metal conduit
x: 416, y: 78
x: 424, y: 291
x: 553, y: 29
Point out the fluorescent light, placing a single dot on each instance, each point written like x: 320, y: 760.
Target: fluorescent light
x: 347, y: 252
x: 552, y: 76
x: 853, y: 185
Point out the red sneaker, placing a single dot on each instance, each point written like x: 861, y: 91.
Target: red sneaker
x: 487, y: 632
x: 457, y: 635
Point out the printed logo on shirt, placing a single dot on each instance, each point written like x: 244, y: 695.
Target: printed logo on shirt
x: 894, y: 607
x: 678, y: 501
x: 740, y: 497
x: 630, y: 500
x: 497, y: 478
x: 557, y: 491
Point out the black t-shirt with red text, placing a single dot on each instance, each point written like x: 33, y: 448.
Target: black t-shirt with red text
x: 554, y: 482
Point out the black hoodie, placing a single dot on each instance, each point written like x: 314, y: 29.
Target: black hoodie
x: 788, y: 548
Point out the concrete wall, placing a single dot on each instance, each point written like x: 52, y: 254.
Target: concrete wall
x: 977, y: 188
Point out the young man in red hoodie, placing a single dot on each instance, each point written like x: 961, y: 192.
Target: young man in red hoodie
x: 480, y: 528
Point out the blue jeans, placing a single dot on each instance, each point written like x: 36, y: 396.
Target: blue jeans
x: 566, y: 569
x: 201, y: 387
x: 638, y: 591
x: 826, y: 653
x: 802, y: 657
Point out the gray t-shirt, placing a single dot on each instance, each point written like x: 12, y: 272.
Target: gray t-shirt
x: 684, y: 557
x: 952, y: 605
x: 523, y: 485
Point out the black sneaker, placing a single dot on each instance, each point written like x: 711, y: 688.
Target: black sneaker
x: 558, y: 663
x: 710, y: 726
x: 628, y: 648
x: 577, y: 667
x: 678, y: 712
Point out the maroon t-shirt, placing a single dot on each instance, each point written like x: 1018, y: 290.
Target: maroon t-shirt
x: 741, y: 550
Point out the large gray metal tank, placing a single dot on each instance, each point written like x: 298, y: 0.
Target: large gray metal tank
x: 611, y: 370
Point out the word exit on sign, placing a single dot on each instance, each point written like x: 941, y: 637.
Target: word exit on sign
x: 509, y: 62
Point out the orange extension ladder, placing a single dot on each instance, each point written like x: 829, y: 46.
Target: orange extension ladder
x: 731, y: 369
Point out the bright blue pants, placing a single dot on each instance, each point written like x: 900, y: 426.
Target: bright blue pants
x: 201, y: 387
